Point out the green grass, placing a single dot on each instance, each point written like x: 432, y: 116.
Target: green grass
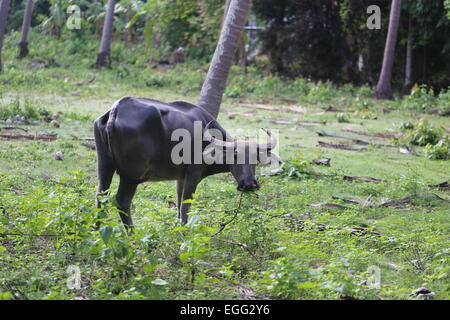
x: 272, y: 246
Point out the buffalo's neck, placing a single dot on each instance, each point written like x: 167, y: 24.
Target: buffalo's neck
x: 216, y: 168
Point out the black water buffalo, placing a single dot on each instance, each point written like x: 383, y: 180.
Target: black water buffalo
x: 135, y: 138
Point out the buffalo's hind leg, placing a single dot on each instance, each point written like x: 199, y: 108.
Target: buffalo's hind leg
x: 105, y: 169
x: 124, y: 197
x: 105, y: 175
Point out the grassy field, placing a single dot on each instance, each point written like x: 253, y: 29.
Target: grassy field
x: 308, y: 233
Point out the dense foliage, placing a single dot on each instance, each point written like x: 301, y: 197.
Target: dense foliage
x: 330, y: 40
x: 321, y: 40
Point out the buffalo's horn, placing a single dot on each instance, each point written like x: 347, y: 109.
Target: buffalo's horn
x: 271, y: 144
x: 217, y: 142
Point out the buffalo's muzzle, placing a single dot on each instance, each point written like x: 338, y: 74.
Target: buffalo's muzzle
x: 248, y: 186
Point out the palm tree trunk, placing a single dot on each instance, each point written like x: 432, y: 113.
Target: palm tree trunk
x: 225, y: 12
x: 215, y: 82
x: 4, y: 7
x: 384, y: 88
x: 409, y: 59
x: 103, y: 56
x: 23, y: 44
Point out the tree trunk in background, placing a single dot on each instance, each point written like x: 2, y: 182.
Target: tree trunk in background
x: 215, y: 82
x: 103, y: 56
x: 409, y: 59
x: 23, y: 44
x: 242, y: 62
x: 4, y: 8
x: 384, y: 88
x: 225, y: 12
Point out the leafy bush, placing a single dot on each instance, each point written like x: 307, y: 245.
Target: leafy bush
x: 321, y: 92
x: 27, y: 109
x: 362, y: 104
x: 421, y: 98
x: 440, y: 151
x: 342, y: 118
x: 288, y: 279
x: 365, y: 92
x: 406, y: 125
x: 301, y: 86
x: 297, y: 168
x: 424, y: 134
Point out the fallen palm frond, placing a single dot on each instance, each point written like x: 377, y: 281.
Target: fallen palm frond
x: 44, y: 137
x: 232, y: 115
x: 334, y: 109
x: 441, y: 186
x: 284, y: 100
x: 402, y: 202
x: 375, y: 134
x: 13, y: 128
x: 339, y: 146
x: 328, y: 205
x: 88, y: 145
x: 348, y: 200
x: 301, y: 223
x: 293, y: 109
x: 362, y: 179
x: 364, y: 203
x: 357, y: 141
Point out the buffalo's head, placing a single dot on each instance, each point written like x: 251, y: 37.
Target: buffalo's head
x: 240, y: 156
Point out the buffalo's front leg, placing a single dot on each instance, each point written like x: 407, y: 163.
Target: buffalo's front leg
x: 124, y: 197
x: 180, y: 185
x: 189, y: 186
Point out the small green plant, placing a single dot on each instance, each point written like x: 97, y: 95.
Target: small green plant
x: 440, y: 151
x: 421, y: 98
x: 297, y: 168
x: 321, y: 92
x: 27, y: 108
x: 362, y: 104
x: 288, y: 279
x: 424, y: 134
x: 406, y: 125
x: 342, y: 118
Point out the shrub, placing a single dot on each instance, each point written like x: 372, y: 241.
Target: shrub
x: 440, y: 151
x: 421, y: 98
x: 27, y: 109
x: 301, y: 86
x: 321, y: 92
x: 424, y: 134
x: 407, y: 125
x: 342, y: 118
x: 297, y: 168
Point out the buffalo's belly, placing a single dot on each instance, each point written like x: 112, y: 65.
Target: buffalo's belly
x: 169, y: 172
x: 139, y: 172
